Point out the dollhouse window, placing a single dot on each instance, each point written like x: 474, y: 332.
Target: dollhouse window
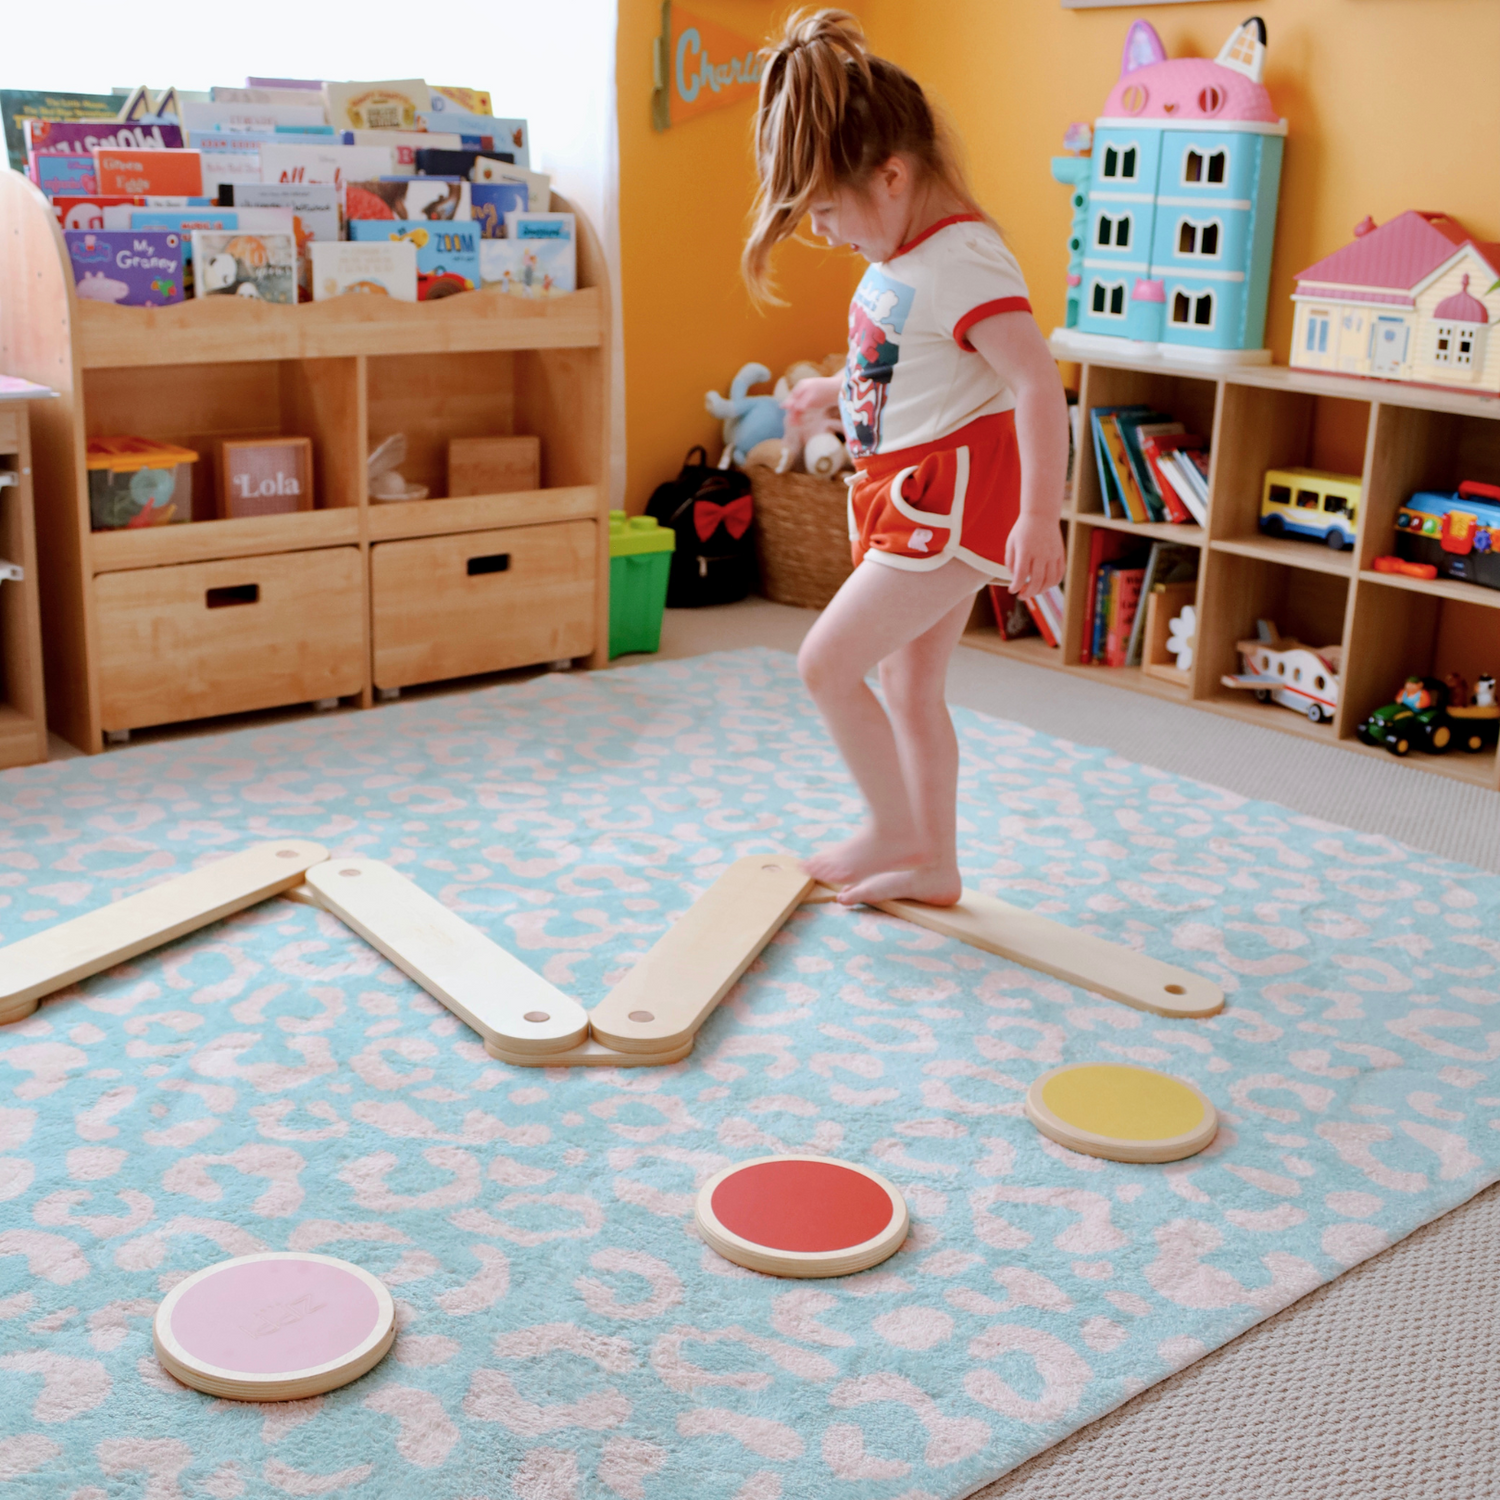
x: 1119, y: 163
x: 1452, y: 345
x: 1108, y: 301
x: 1198, y: 239
x: 1210, y: 100
x: 1190, y: 311
x: 1317, y: 332
x: 1198, y: 166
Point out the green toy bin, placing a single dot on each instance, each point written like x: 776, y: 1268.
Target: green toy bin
x: 640, y: 557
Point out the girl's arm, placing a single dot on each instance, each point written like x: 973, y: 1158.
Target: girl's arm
x: 1013, y: 346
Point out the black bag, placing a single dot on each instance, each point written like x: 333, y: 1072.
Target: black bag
x: 710, y: 512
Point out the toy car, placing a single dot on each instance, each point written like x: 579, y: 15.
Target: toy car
x: 1311, y: 504
x: 1434, y: 717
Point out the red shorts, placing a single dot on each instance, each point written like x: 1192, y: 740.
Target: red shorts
x: 956, y: 497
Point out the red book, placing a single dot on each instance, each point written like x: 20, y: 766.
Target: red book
x: 1012, y: 618
x: 1154, y: 448
x: 165, y: 172
x: 1042, y: 624
x: 1125, y: 598
x: 1104, y: 546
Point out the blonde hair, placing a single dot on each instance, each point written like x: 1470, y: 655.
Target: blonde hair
x: 830, y: 113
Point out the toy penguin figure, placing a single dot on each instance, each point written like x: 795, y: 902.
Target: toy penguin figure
x: 1484, y: 692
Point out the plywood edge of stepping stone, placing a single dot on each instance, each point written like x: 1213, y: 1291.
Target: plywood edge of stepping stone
x: 277, y: 1326
x: 88, y: 944
x: 674, y: 987
x: 801, y: 1216
x: 590, y: 1054
x: 1122, y: 1112
x: 486, y: 987
x: 1080, y: 958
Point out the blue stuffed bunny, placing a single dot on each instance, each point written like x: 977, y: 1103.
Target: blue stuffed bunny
x: 747, y: 419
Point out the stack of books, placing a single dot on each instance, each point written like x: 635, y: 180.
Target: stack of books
x: 288, y: 190
x: 1016, y: 617
x: 1122, y: 573
x: 1151, y: 468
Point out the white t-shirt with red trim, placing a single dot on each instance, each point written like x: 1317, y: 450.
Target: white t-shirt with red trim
x: 912, y: 376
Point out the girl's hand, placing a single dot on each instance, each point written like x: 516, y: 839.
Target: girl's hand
x: 1035, y: 555
x: 811, y: 397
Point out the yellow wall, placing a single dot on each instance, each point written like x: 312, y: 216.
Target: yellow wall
x: 689, y: 323
x: 1390, y: 106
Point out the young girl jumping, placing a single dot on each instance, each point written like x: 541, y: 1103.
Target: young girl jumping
x: 955, y: 418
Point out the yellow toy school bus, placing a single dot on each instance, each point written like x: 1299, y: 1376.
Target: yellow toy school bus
x: 1310, y: 503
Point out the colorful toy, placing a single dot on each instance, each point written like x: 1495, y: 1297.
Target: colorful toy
x: 801, y: 1216
x: 1310, y: 503
x: 279, y: 1326
x: 1410, y: 299
x: 1402, y: 567
x: 1285, y: 671
x: 1458, y: 535
x: 1121, y: 1113
x: 1171, y: 249
x: 747, y: 419
x: 1433, y: 716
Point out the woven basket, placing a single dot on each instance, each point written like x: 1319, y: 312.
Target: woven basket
x: 801, y: 536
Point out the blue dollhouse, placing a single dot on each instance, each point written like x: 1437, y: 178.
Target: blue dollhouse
x: 1171, y: 247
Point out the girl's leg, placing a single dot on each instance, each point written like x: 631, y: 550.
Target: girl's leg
x: 878, y: 611
x: 912, y: 680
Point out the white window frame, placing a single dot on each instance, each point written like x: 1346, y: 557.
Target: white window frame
x: 1440, y: 355
x: 1119, y: 148
x: 1198, y: 226
x: 1206, y: 154
x: 1194, y: 298
x: 1109, y: 288
x: 1104, y: 232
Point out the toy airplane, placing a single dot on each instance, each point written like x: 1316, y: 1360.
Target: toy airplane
x: 650, y: 1018
x: 1284, y: 671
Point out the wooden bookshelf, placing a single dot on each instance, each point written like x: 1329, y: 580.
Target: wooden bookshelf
x: 1400, y: 438
x: 352, y: 597
x: 23, y: 715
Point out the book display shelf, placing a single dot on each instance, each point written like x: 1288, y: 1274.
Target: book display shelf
x: 23, y: 713
x: 1401, y: 438
x: 352, y: 597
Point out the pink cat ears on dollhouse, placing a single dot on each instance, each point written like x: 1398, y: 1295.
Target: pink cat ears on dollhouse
x: 1153, y: 85
x: 1245, y: 51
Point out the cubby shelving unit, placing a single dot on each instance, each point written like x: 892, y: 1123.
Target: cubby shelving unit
x: 1399, y: 438
x: 212, y: 617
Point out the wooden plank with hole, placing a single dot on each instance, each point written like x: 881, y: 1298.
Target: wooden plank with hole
x: 590, y: 1054
x: 1106, y: 968
x: 488, y: 989
x: 674, y: 988
x: 62, y: 955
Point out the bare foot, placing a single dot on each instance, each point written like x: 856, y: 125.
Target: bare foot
x: 867, y: 853
x: 933, y: 885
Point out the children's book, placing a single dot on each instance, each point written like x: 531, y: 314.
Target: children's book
x: 432, y: 162
x: 1158, y: 448
x: 86, y: 136
x: 19, y: 105
x: 1125, y: 597
x: 1169, y: 562
x: 88, y: 212
x: 314, y: 211
x: 491, y: 201
x: 1106, y: 548
x: 538, y: 184
x: 62, y: 174
x: 270, y: 95
x: 404, y: 143
x: 378, y: 106
x: 347, y: 268
x: 509, y: 140
x: 1132, y: 429
x: 553, y: 238
x: 1013, y: 619
x: 1128, y: 486
x: 127, y: 172
x: 235, y: 264
x: 229, y: 157
x: 408, y: 198
x: 1109, y: 490
x: 1046, y: 610
x: 1191, y: 481
x: 128, y: 268
x: 463, y: 101
x: 220, y: 116
x: 324, y: 163
x: 447, y: 252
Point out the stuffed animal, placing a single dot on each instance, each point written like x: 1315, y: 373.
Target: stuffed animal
x: 824, y: 454
x: 821, y: 429
x: 747, y: 419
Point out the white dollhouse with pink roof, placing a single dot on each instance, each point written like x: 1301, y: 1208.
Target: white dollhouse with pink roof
x: 1410, y: 299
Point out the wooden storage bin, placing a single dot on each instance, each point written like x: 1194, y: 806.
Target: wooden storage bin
x: 201, y: 639
x: 459, y: 605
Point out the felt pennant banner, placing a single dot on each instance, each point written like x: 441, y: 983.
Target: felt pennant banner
x: 698, y: 65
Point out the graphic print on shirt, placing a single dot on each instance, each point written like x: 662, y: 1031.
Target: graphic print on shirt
x: 877, y: 315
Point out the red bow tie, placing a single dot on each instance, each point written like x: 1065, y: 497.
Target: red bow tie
x: 737, y: 516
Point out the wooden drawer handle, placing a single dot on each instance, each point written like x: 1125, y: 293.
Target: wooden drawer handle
x: 239, y: 593
x: 496, y: 562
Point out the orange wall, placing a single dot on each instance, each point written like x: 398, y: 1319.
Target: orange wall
x: 1384, y: 112
x: 689, y: 323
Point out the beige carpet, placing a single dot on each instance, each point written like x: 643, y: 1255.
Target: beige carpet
x: 1384, y: 1385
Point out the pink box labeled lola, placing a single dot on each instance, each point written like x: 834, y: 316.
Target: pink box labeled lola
x: 265, y: 476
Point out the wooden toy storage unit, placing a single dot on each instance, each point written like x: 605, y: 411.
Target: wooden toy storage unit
x: 1402, y: 438
x: 23, y: 713
x: 213, y: 617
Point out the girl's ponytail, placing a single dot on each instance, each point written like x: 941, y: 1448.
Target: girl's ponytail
x: 830, y: 113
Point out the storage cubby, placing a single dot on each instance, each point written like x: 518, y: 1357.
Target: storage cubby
x: 211, y: 617
x: 23, y: 720
x: 1398, y: 438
